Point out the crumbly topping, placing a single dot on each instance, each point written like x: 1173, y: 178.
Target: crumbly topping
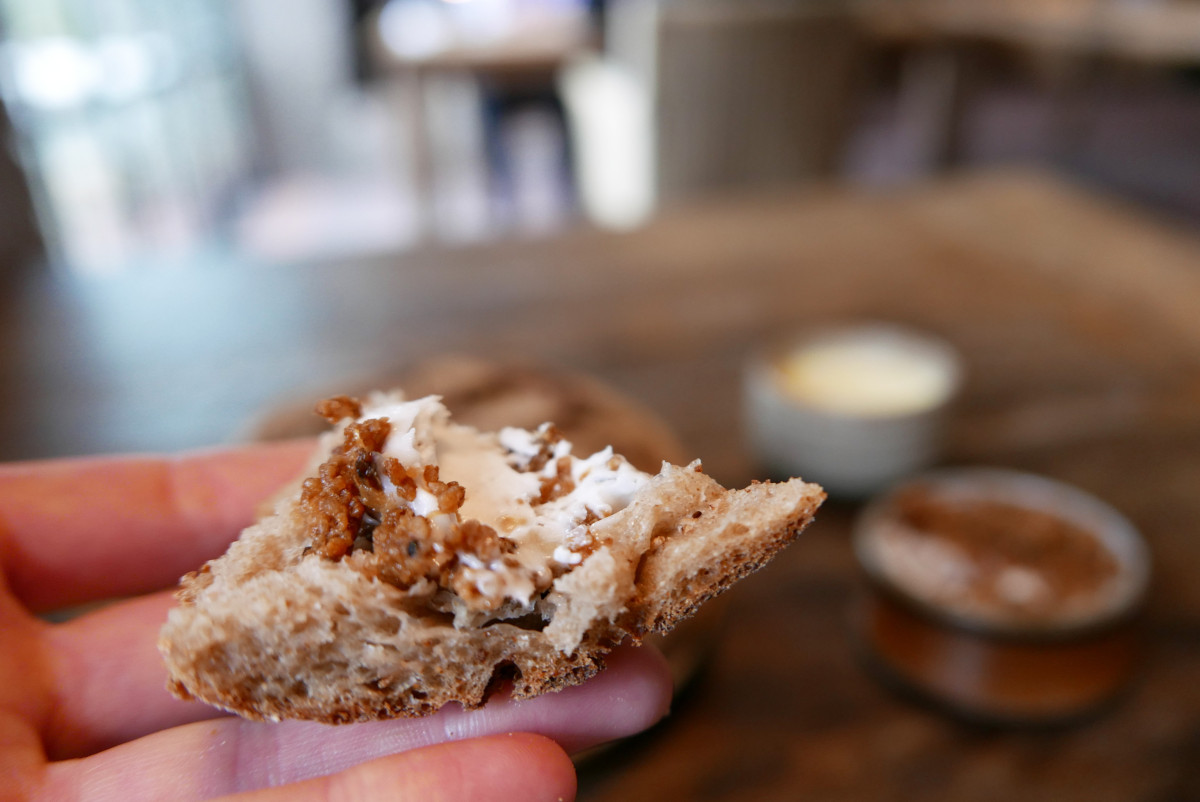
x: 339, y: 408
x: 387, y: 500
x: 343, y: 502
x: 361, y: 504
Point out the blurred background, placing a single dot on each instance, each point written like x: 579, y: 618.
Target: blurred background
x: 215, y: 212
x: 148, y: 138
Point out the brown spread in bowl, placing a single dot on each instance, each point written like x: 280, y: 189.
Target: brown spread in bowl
x: 1006, y: 595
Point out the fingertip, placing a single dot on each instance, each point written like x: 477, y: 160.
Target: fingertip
x: 512, y: 767
x: 638, y: 688
x: 557, y: 770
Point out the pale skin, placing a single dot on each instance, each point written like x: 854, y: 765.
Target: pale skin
x: 83, y: 709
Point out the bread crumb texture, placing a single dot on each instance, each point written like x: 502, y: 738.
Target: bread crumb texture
x: 421, y: 562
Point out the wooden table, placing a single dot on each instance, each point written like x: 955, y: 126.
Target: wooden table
x: 1079, y: 320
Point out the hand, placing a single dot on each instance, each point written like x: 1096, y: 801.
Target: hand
x: 83, y: 709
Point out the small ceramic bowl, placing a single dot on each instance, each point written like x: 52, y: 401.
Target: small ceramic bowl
x: 854, y: 409
x: 1005, y: 596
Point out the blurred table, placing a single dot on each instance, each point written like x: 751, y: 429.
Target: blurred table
x: 1079, y: 318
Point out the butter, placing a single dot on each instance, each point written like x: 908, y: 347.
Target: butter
x: 865, y: 374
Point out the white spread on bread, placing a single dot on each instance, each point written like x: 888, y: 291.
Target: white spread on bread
x: 503, y: 486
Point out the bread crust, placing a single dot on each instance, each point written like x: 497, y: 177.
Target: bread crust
x: 269, y: 631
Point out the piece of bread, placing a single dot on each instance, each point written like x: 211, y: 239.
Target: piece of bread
x: 382, y: 587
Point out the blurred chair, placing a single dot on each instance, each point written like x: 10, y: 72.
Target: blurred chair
x: 752, y: 94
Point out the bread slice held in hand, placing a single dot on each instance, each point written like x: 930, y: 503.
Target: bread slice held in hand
x: 422, y: 562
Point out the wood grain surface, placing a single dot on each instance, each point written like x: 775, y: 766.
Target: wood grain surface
x: 1079, y: 320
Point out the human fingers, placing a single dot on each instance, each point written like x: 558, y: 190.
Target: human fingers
x: 110, y: 683
x: 498, y: 768
x: 77, y: 530
x: 204, y: 759
x: 110, y: 679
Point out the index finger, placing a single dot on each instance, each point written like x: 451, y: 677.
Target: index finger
x: 78, y: 530
x: 204, y: 759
